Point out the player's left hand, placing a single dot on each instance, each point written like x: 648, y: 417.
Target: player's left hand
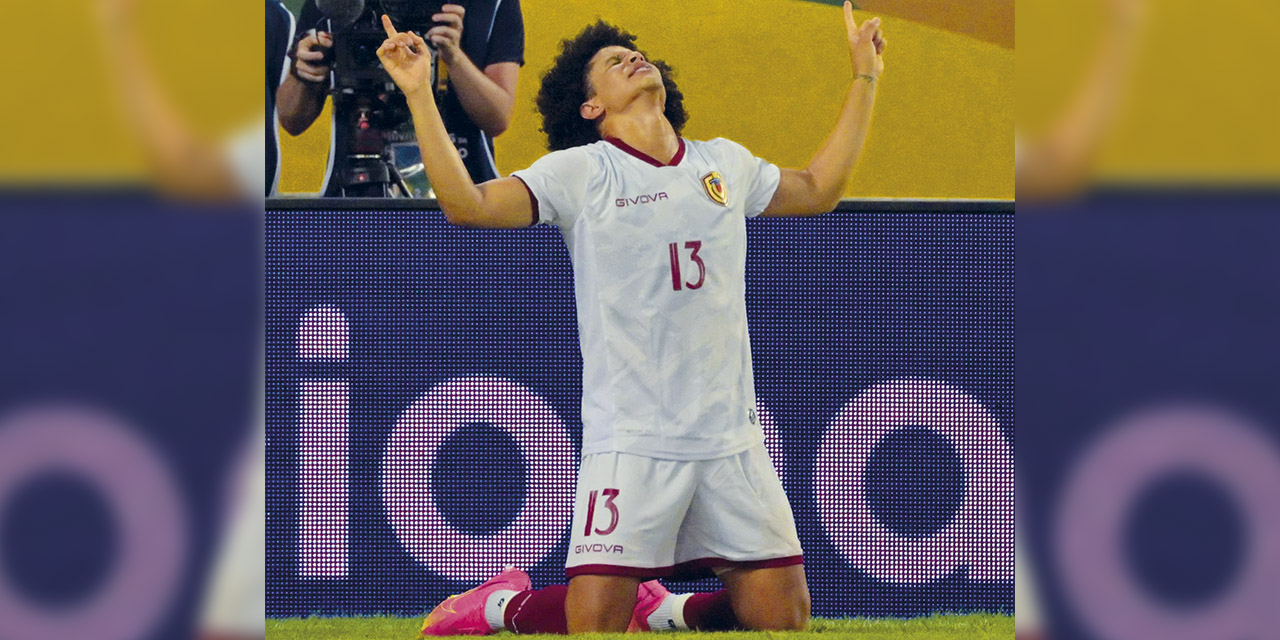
x: 447, y: 34
x: 866, y: 43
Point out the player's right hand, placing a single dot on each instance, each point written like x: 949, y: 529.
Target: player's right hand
x: 866, y: 43
x: 310, y: 60
x: 406, y: 58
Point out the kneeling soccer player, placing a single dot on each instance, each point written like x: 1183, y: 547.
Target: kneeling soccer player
x: 674, y: 476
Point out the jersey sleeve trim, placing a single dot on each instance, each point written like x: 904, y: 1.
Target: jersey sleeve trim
x: 770, y: 175
x: 533, y: 200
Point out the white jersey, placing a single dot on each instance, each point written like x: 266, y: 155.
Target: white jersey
x: 659, y: 254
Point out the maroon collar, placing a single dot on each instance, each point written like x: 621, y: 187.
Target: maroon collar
x: 675, y: 160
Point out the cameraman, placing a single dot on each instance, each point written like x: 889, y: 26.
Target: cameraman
x: 482, y: 47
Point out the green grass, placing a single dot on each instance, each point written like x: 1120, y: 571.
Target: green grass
x: 976, y: 626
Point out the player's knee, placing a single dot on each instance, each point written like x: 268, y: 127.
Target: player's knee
x: 595, y: 620
x: 781, y: 619
x: 789, y: 613
x: 774, y: 599
x: 795, y: 615
x: 798, y: 605
x: 600, y: 603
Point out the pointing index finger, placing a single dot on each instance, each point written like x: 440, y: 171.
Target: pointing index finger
x: 849, y: 22
x: 386, y: 24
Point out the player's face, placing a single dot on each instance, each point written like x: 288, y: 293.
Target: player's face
x: 618, y: 73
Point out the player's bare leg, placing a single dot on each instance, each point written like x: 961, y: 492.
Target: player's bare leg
x: 769, y: 599
x: 600, y: 603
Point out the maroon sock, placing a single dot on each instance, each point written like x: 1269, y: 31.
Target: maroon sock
x: 710, y: 612
x: 540, y: 611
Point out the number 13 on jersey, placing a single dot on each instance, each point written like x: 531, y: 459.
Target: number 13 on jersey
x: 692, y: 246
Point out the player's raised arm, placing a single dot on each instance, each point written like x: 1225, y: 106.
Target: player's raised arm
x: 818, y: 187
x: 500, y: 203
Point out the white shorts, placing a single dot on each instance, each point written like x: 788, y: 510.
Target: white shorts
x: 650, y: 518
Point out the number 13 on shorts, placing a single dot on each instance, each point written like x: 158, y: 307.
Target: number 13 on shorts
x: 609, y: 496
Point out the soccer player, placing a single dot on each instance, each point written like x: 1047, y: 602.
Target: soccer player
x: 674, y: 476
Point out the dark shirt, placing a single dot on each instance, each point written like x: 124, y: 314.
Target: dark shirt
x: 279, y: 37
x: 492, y: 32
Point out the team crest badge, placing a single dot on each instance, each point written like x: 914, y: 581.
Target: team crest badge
x: 714, y: 185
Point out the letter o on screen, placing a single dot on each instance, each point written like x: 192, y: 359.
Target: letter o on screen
x: 980, y: 533
x: 141, y: 496
x: 410, y: 457
x: 1101, y: 490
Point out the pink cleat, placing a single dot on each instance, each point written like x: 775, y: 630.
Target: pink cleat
x: 648, y: 597
x: 463, y: 614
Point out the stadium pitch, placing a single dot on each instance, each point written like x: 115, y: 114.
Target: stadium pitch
x: 975, y: 626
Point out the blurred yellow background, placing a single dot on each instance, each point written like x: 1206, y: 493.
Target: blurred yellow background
x: 771, y: 74
x: 1203, y: 105
x: 61, y: 120
x: 767, y: 73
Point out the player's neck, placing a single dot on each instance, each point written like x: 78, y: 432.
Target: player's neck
x: 647, y: 131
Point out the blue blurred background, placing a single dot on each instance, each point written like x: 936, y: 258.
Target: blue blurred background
x: 1147, y: 371
x: 132, y: 322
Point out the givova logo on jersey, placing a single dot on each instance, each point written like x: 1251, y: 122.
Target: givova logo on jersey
x: 644, y: 198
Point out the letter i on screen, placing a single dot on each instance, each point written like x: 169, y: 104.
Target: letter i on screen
x: 324, y: 460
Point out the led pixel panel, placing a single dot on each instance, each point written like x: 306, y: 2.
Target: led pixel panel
x: 424, y: 388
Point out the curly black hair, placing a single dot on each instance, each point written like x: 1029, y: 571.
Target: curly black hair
x: 565, y: 87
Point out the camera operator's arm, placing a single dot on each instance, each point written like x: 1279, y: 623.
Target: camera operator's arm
x: 182, y: 162
x: 300, y: 97
x: 500, y: 203
x: 488, y: 96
